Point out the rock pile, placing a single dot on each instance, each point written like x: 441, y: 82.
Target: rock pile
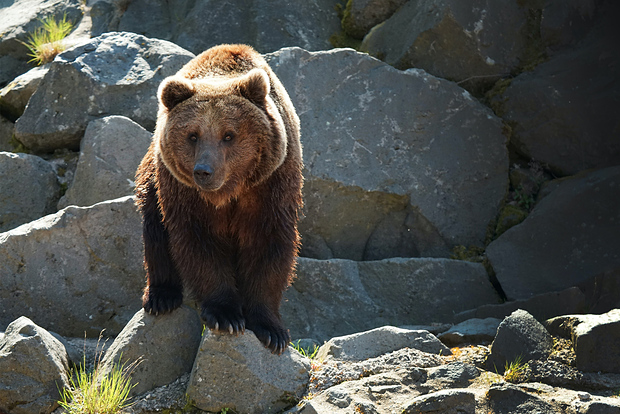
x: 461, y: 188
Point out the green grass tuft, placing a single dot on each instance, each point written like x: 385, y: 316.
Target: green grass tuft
x: 307, y: 352
x: 92, y: 393
x: 46, y: 41
x: 515, y: 371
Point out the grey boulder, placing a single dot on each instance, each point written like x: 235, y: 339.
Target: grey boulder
x: 456, y: 401
x: 396, y: 163
x: 15, y: 95
x: 196, y: 26
x: 455, y: 40
x: 113, y: 74
x: 567, y: 119
x: 570, y: 237
x: 110, y: 153
x: 239, y: 373
x: 156, y: 350
x: 29, y: 189
x: 471, y: 331
x: 595, y: 339
x: 33, y: 367
x: 367, y: 295
x: 519, y: 336
x: 362, y: 15
x: 379, y: 341
x: 79, y: 270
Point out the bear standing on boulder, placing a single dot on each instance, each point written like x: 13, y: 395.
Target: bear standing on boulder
x: 219, y: 191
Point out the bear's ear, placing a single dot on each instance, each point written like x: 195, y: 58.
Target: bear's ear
x: 173, y: 91
x: 254, y: 86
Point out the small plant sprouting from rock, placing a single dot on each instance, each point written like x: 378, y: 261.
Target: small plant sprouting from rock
x: 47, y: 41
x: 514, y: 371
x: 92, y: 393
x: 307, y: 352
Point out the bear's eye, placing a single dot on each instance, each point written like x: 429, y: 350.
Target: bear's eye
x: 228, y: 137
x: 193, y: 138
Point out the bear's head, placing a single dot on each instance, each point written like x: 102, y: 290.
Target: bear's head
x: 220, y: 135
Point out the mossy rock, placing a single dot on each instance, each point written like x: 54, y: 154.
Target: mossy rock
x: 509, y: 216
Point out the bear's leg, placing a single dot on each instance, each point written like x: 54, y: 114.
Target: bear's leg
x: 164, y: 290
x: 264, y: 271
x: 206, y: 263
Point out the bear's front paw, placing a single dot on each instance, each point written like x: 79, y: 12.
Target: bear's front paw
x: 157, y: 300
x: 269, y: 330
x: 223, y: 318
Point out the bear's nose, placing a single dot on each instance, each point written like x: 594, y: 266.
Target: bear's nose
x: 202, y: 172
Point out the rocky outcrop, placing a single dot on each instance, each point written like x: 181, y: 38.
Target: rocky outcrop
x: 421, y: 163
x: 112, y: 74
x: 455, y: 40
x: 33, y: 368
x: 76, y: 271
x: 568, y: 238
x: 110, y: 153
x: 566, y: 119
x: 196, y: 26
x: 367, y: 295
x: 29, y: 189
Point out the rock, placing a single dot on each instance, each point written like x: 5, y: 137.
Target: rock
x: 168, y: 398
x: 6, y: 134
x: 29, y: 189
x: 447, y: 402
x: 15, y: 96
x: 115, y: 73
x: 406, y: 363
x: 569, y: 237
x: 367, y: 295
x: 110, y: 153
x: 19, y: 19
x: 452, y: 375
x: 379, y: 341
x: 519, y: 336
x: 566, y: 119
x: 455, y: 40
x: 76, y: 271
x: 565, y: 23
x: 602, y: 293
x: 33, y: 367
x: 471, y: 331
x: 541, y: 307
x: 398, y: 149
x: 162, y: 347
x: 196, y: 26
x: 508, y: 398
x: 240, y: 374
x: 362, y: 15
x: 596, y: 339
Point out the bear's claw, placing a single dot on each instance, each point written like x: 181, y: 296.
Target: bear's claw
x: 161, y: 300
x: 223, y: 319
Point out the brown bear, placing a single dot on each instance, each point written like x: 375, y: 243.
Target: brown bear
x: 219, y: 191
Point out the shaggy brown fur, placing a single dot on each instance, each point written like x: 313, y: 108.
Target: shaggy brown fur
x: 219, y: 191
